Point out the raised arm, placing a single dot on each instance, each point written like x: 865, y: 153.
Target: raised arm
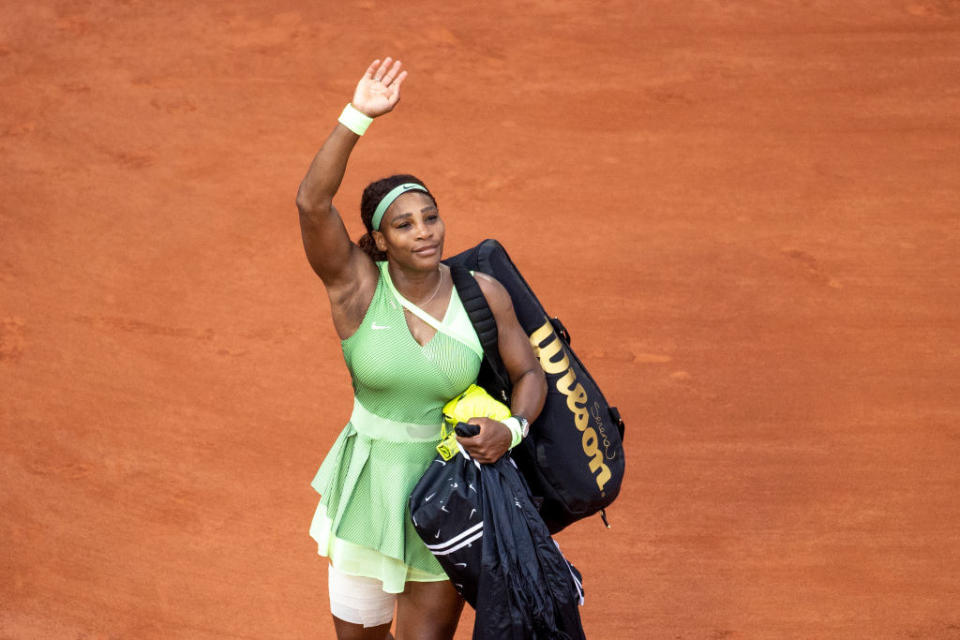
x: 331, y: 253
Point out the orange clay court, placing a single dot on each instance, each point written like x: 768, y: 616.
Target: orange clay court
x: 746, y: 212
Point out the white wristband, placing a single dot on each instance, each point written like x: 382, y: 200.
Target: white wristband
x: 516, y: 431
x: 355, y: 120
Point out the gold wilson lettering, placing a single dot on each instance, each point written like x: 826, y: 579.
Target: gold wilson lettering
x: 553, y: 359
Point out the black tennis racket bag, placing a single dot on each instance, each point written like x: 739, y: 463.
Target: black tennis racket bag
x: 572, y: 458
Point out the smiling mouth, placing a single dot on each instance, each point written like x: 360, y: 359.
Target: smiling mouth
x: 427, y: 250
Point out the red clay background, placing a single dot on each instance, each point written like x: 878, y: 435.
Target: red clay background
x: 746, y: 212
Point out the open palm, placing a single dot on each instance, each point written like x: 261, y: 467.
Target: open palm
x: 378, y: 91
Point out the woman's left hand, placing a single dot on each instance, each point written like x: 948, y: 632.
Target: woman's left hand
x: 490, y: 444
x: 378, y: 91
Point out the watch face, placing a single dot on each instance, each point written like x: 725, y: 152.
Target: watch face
x: 524, y: 425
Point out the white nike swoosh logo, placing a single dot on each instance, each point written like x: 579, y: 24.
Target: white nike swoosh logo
x: 376, y: 326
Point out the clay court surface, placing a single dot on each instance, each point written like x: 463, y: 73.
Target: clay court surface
x: 746, y: 212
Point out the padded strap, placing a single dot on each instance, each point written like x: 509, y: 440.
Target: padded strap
x: 498, y: 385
x: 477, y: 308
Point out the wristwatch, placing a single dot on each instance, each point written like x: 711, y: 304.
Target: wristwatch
x: 524, y: 424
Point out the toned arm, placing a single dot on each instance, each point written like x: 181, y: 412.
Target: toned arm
x: 347, y: 272
x: 331, y: 253
x: 526, y: 375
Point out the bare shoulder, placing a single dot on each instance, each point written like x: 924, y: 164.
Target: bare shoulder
x: 495, y: 293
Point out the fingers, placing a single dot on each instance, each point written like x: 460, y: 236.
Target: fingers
x: 394, y: 71
x: 490, y: 444
x: 385, y: 72
x: 372, y: 68
x: 393, y: 91
x: 382, y: 70
x: 479, y: 453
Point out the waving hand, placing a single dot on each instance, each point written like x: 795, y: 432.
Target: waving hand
x: 378, y: 91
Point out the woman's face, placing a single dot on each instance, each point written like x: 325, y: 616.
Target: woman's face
x: 411, y: 232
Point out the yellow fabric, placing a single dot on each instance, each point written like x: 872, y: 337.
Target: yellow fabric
x: 475, y: 402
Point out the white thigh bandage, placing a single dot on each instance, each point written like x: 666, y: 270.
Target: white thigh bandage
x: 359, y: 600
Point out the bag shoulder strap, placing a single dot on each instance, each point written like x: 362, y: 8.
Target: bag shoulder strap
x: 476, y: 305
x: 485, y: 325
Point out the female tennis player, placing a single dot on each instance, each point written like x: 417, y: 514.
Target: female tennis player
x: 409, y: 347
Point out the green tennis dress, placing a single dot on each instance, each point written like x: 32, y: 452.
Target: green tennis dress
x: 362, y: 522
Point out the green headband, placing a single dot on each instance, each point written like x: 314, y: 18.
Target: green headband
x: 388, y: 199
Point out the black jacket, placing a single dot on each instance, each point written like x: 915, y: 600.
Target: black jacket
x: 480, y: 523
